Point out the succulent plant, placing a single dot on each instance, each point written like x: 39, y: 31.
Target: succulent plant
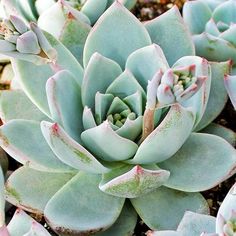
x: 21, y: 223
x: 121, y: 128
x: 213, y: 28
x: 212, y: 24
x: 202, y: 225
x: 62, y: 17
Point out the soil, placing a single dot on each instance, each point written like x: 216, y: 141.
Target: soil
x: 147, y: 10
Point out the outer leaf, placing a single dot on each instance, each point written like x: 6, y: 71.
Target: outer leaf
x: 214, y: 48
x: 175, y: 40
x: 94, y: 9
x: 145, y: 62
x: 38, y: 188
x: 125, y: 224
x: 164, y: 207
x: 64, y: 99
x: 218, y: 95
x: 14, y: 104
x: 175, y: 128
x: 195, y: 21
x: 21, y: 224
x: 29, y: 146
x: 219, y: 12
x: 74, y: 35
x: 103, y: 39
x: 69, y: 151
x: 84, y: 209
x: 108, y: 145
x: 132, y: 183
x: 99, y: 74
x: 221, y: 131
x: 53, y: 20
x: 194, y: 224
x: 33, y: 77
x: 188, y: 166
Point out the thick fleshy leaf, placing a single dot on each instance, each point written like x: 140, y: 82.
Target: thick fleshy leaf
x: 145, y: 62
x: 163, y: 208
x: 218, y: 95
x: 212, y: 4
x: 23, y: 224
x: 107, y: 145
x: 88, y: 119
x: 132, y: 182
x: 214, y: 48
x: 175, y: 128
x: 195, y: 21
x: 2, y: 200
x: 175, y: 40
x: 99, y: 74
x: 103, y: 39
x: 38, y: 188
x: 53, y: 20
x: 29, y: 146
x: 219, y: 12
x: 230, y: 85
x: 64, y: 99
x: 221, y: 131
x: 198, y: 101
x: 69, y: 151
x: 188, y: 166
x: 125, y: 85
x: 194, y: 224
x: 33, y: 78
x: 84, y: 209
x: 102, y: 104
x: 14, y: 104
x: 131, y: 128
x: 135, y: 103
x: 125, y: 224
x: 75, y: 41
x: 117, y: 106
x: 94, y: 9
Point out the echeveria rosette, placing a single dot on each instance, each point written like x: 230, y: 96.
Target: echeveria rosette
x: 212, y: 24
x: 89, y: 157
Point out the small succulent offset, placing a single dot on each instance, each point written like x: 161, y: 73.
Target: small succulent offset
x: 69, y: 21
x: 121, y: 128
x: 202, y: 225
x: 213, y: 26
